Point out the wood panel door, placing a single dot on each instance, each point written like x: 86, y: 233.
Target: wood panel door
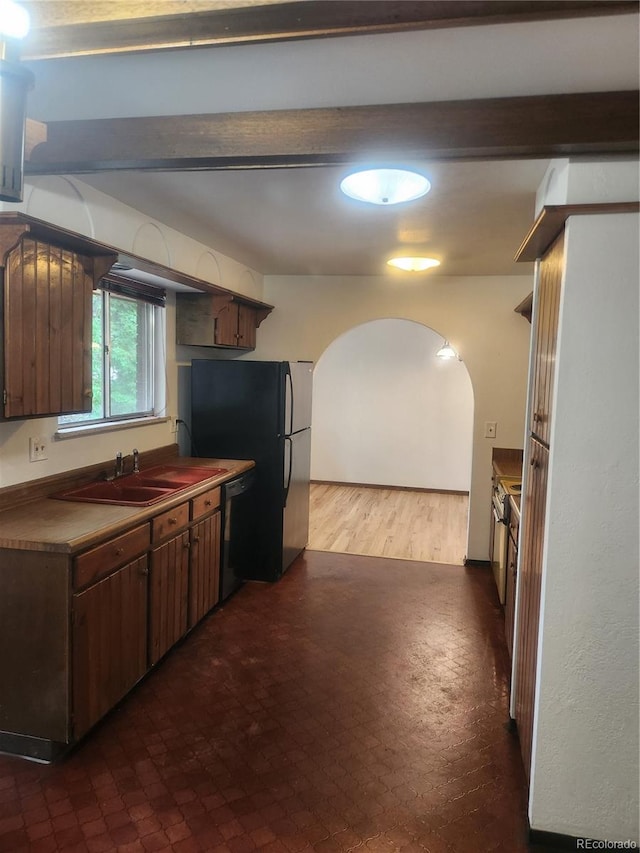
x: 227, y: 325
x: 204, y: 587
x: 246, y: 327
x: 47, y: 331
x: 168, y: 589
x: 109, y: 642
x: 529, y: 596
x: 545, y: 335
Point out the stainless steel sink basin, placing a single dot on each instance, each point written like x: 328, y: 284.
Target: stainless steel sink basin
x: 142, y: 489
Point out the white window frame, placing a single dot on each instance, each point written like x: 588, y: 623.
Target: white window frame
x: 156, y: 350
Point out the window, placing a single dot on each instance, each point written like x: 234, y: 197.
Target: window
x: 127, y: 326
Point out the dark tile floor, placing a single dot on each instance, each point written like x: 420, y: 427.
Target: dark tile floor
x: 358, y: 704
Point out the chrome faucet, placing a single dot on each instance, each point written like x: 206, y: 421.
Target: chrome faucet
x: 119, y: 469
x: 136, y: 460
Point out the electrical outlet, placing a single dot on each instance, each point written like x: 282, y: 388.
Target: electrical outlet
x: 490, y: 429
x: 37, y: 449
x: 174, y: 426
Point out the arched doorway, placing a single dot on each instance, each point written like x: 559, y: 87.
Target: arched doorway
x: 389, y: 414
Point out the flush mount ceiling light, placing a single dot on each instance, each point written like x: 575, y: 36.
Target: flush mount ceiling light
x: 385, y: 186
x: 415, y: 264
x: 14, y: 20
x: 446, y: 352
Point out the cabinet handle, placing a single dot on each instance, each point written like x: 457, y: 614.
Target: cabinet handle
x: 144, y: 571
x: 187, y: 544
x: 534, y: 463
x: 537, y: 417
x: 119, y: 552
x: 88, y: 393
x: 207, y: 503
x: 196, y: 539
x: 172, y: 521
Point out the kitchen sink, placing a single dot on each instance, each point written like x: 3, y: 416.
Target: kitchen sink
x: 141, y: 489
x: 175, y: 475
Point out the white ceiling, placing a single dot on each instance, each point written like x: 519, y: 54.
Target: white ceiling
x: 294, y: 221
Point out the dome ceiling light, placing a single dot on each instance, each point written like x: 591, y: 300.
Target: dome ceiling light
x: 413, y: 264
x: 385, y: 186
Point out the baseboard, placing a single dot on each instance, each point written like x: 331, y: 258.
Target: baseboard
x: 555, y: 842
x: 483, y: 564
x: 392, y: 488
x: 34, y: 748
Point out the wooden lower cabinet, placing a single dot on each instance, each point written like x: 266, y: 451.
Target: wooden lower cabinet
x: 78, y: 631
x: 204, y: 585
x: 109, y: 641
x: 168, y: 591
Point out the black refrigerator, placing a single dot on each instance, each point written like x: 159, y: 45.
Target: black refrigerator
x: 260, y: 410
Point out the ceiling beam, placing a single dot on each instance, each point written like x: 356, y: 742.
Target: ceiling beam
x: 503, y: 128
x: 293, y: 20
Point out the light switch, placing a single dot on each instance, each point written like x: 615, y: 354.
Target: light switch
x: 490, y: 429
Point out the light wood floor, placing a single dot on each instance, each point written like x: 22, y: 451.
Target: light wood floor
x: 405, y: 524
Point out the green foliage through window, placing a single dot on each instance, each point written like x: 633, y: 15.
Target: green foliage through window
x: 122, y: 359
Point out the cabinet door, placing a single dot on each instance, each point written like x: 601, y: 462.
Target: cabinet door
x: 530, y: 582
x: 510, y: 596
x: 204, y: 587
x: 168, y: 595
x: 109, y: 642
x: 545, y: 334
x: 227, y: 325
x: 47, y: 331
x: 246, y: 327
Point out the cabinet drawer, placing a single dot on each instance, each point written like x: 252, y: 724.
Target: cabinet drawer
x: 169, y: 522
x: 205, y: 503
x: 94, y: 564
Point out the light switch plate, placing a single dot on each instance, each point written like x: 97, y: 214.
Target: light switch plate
x: 490, y: 429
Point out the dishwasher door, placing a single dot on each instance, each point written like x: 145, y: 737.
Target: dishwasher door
x: 238, y: 526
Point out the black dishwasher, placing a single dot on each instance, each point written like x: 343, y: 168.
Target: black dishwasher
x: 238, y: 526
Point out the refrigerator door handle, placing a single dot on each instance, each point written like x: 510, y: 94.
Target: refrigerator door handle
x: 290, y: 471
x: 289, y: 380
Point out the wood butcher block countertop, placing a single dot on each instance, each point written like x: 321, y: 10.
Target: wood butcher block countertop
x: 48, y: 524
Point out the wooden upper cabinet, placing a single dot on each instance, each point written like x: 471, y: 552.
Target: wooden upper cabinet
x: 545, y: 334
x: 46, y: 324
x: 218, y: 320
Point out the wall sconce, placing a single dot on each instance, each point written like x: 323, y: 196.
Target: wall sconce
x: 15, y: 82
x: 447, y: 352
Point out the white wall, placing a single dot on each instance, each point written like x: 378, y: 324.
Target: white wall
x: 78, y: 207
x: 585, y: 754
x: 386, y: 411
x: 475, y: 314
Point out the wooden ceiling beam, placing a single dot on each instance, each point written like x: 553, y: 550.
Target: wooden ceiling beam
x: 294, y: 20
x: 503, y: 128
